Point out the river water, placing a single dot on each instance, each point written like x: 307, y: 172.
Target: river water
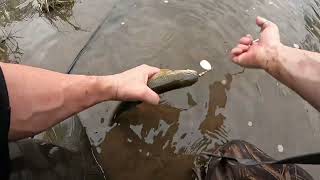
x: 160, y: 142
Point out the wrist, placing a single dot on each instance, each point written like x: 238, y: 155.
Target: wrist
x: 107, y: 87
x: 273, y: 57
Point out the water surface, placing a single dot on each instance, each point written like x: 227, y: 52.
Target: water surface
x: 160, y: 142
x: 150, y: 141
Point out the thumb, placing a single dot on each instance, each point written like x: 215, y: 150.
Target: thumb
x: 269, y: 31
x: 262, y: 22
x: 150, y: 96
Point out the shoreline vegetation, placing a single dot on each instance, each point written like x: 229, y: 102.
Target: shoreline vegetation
x: 12, y: 11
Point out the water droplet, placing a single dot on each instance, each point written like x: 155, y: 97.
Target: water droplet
x: 280, y: 148
x: 98, y: 150
x: 148, y: 154
x: 224, y: 82
x: 273, y: 4
x: 250, y: 124
x: 129, y: 140
x: 166, y: 1
x: 123, y: 23
x: 140, y: 150
x: 296, y: 46
x: 253, y: 8
x: 53, y: 150
x: 205, y: 65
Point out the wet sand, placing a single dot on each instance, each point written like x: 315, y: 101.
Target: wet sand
x: 153, y: 142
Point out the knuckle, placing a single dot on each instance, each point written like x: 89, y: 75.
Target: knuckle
x: 144, y: 66
x: 145, y: 91
x: 142, y: 93
x: 273, y: 25
x: 244, y: 40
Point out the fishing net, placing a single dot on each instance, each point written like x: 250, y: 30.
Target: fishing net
x: 219, y: 168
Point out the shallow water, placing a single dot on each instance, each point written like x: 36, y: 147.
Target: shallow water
x: 160, y: 142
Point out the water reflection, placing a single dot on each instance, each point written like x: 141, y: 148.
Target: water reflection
x: 157, y: 138
x: 191, y: 101
x: 143, y: 140
x: 213, y: 123
x: 154, y: 142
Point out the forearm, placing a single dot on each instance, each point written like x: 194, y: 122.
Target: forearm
x: 299, y: 70
x: 40, y: 98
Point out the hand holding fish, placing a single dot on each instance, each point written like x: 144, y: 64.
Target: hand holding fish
x: 131, y: 85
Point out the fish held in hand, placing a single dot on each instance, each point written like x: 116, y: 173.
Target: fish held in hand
x: 168, y: 80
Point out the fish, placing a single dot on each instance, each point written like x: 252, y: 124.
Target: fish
x: 168, y: 80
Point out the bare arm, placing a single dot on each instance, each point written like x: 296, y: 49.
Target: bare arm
x: 298, y: 69
x: 40, y: 98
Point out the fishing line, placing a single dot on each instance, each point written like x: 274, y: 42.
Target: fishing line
x: 93, y: 35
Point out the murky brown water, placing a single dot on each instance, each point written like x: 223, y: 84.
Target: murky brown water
x: 157, y: 140
x: 160, y: 142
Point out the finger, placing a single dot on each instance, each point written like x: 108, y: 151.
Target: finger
x: 244, y: 61
x: 261, y: 22
x: 235, y: 59
x: 246, y: 40
x: 249, y: 36
x: 243, y: 47
x: 236, y: 51
x: 150, y: 70
x: 150, y: 96
x: 264, y: 23
x: 240, y: 60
